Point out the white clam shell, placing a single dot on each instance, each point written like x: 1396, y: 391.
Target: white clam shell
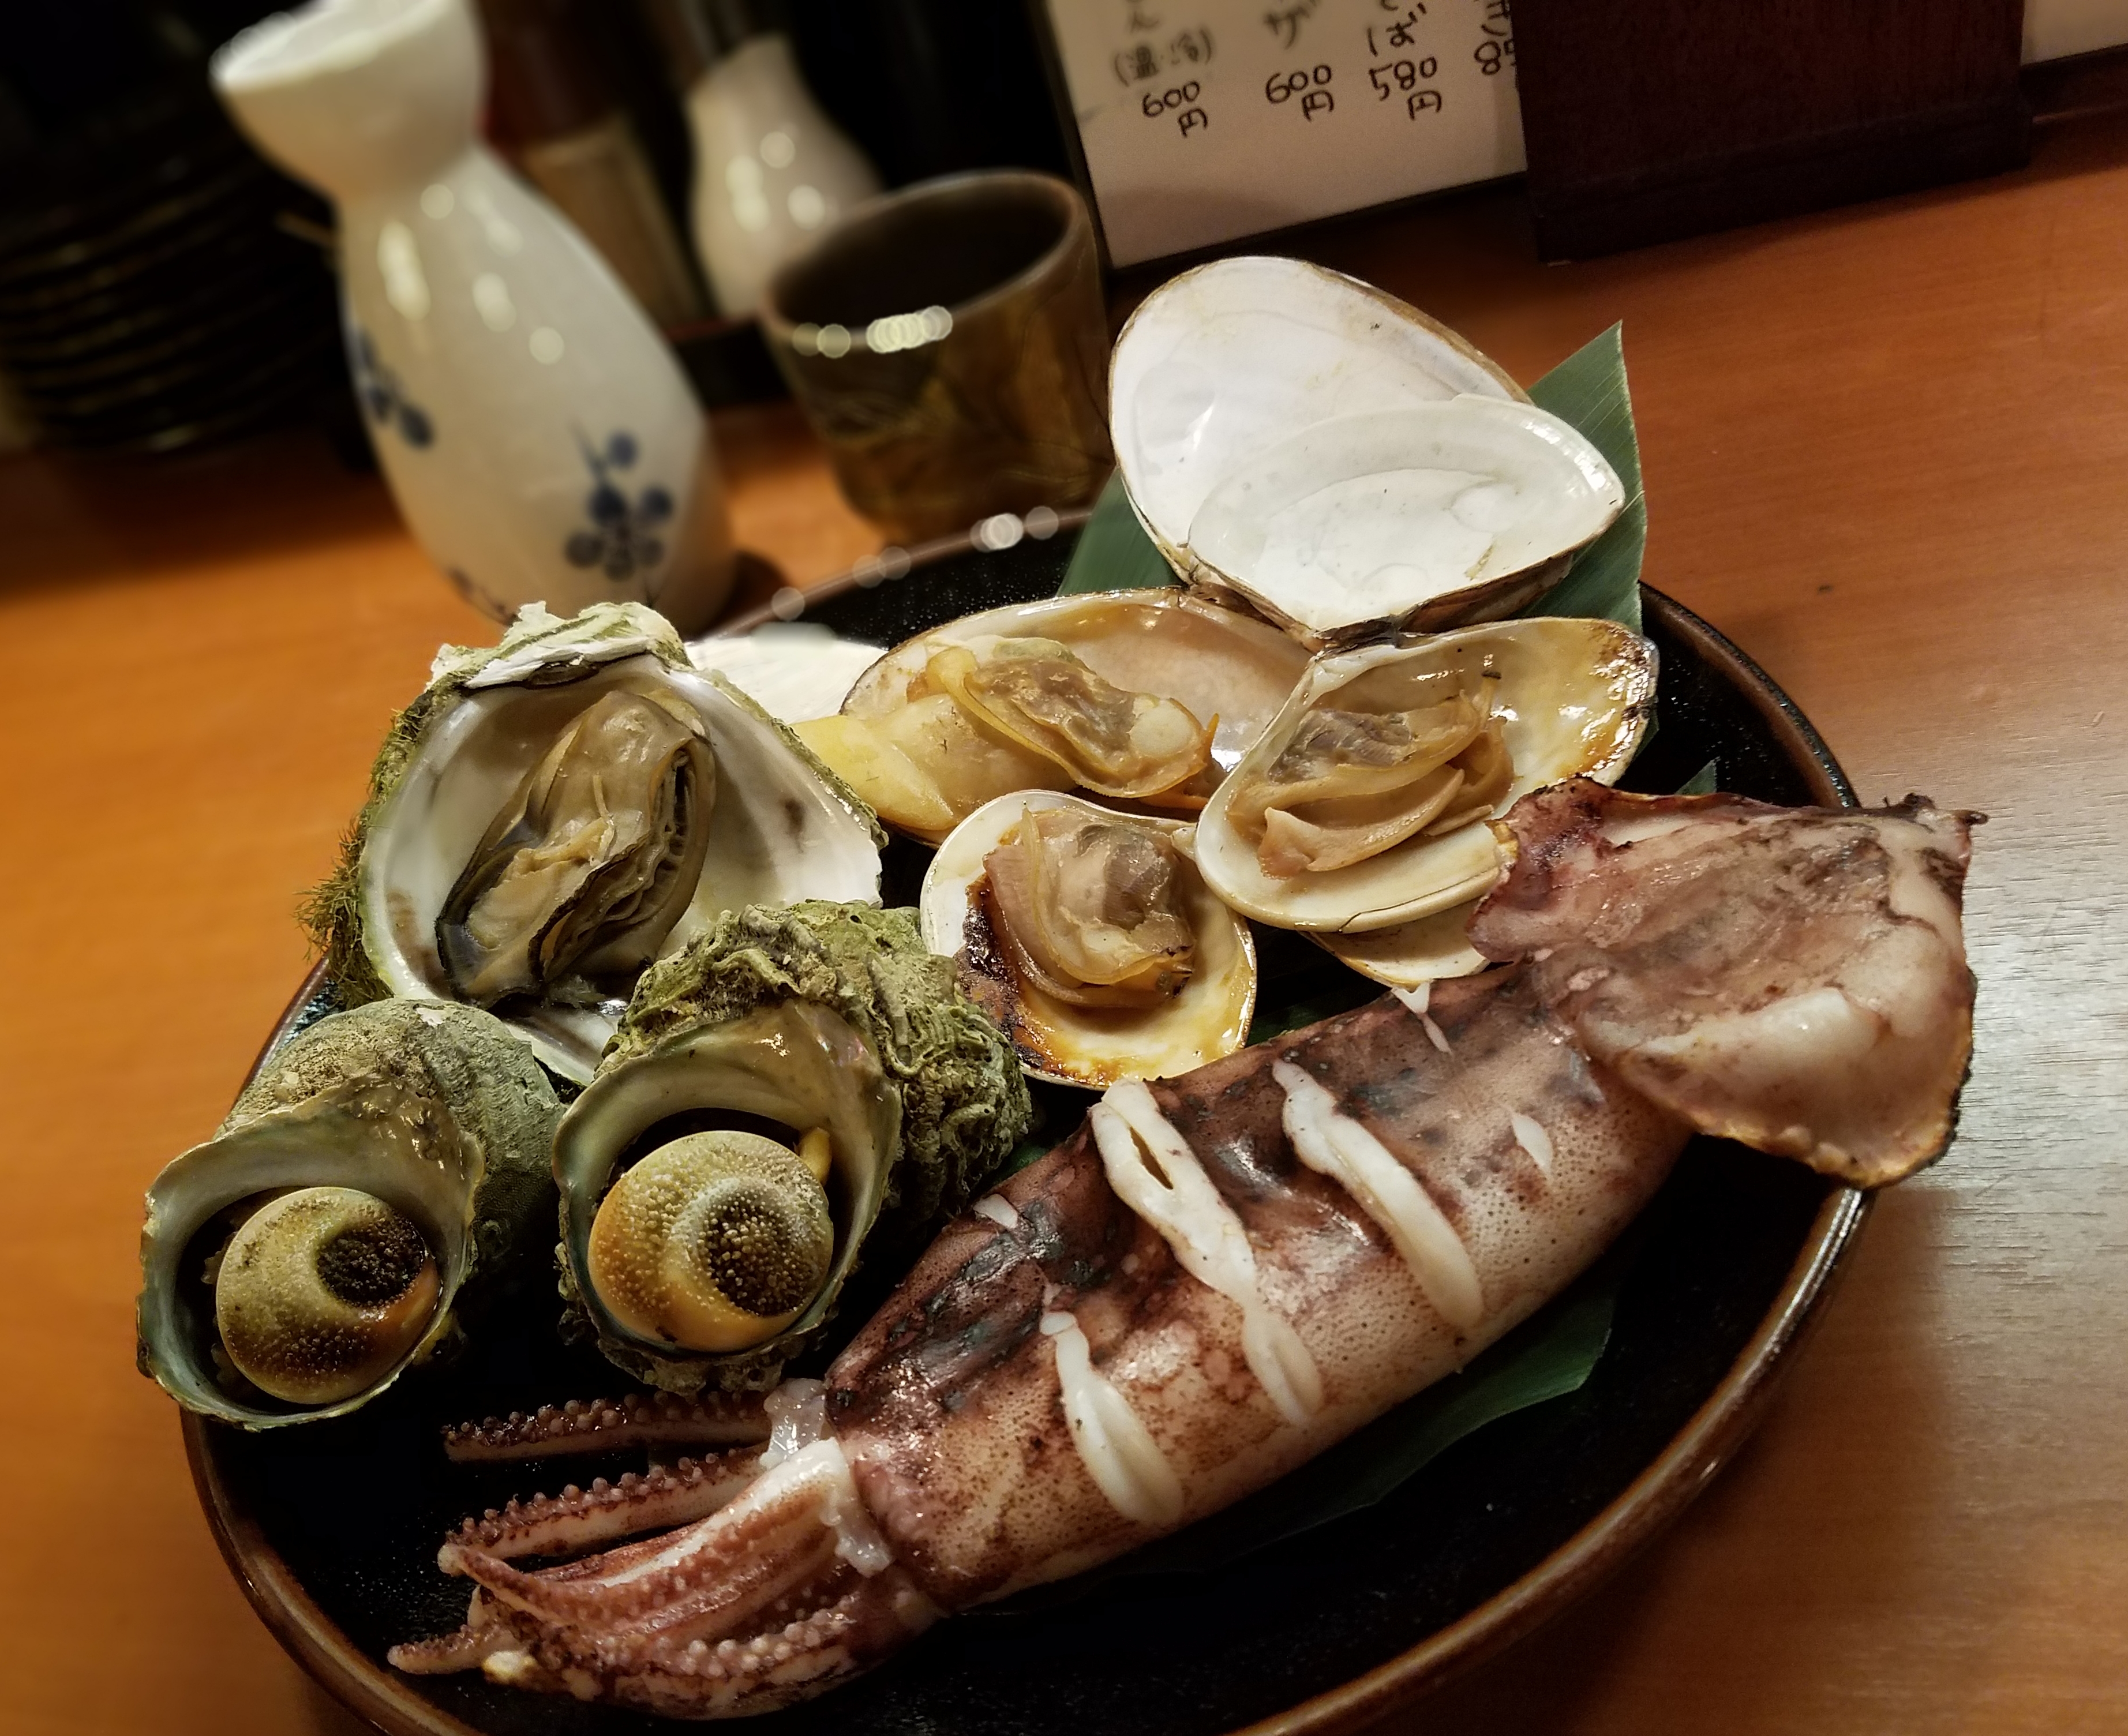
x: 1224, y: 362
x: 1464, y: 506
x: 1224, y: 387
x: 1424, y: 950
x: 1093, y: 1047
x: 1575, y: 698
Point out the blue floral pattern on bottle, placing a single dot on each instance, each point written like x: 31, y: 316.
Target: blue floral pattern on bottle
x: 625, y: 537
x: 378, y: 388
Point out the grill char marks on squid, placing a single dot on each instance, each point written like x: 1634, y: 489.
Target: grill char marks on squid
x: 948, y: 1402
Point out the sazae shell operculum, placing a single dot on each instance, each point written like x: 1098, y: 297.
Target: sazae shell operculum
x: 427, y: 1115
x: 711, y: 804
x: 797, y: 1067
x: 816, y: 1017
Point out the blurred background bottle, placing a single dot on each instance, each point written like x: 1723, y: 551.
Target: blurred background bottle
x: 554, y: 112
x: 161, y: 287
x: 771, y: 170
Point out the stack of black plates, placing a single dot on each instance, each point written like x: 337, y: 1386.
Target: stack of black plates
x: 157, y: 289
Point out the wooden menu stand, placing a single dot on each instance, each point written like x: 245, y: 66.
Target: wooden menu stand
x: 1650, y: 120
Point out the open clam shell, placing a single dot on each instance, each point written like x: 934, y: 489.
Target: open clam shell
x: 1409, y: 520
x: 1217, y: 662
x: 1094, y: 1047
x: 779, y: 826
x: 1425, y: 950
x: 1222, y: 363
x: 435, y: 1110
x: 1252, y: 406
x: 1573, y: 699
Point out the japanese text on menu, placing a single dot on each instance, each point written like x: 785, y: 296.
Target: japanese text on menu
x: 1204, y: 120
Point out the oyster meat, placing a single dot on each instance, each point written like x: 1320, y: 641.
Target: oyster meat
x: 1136, y: 696
x: 1091, y: 936
x: 553, y: 813
x: 1365, y: 805
x: 586, y: 868
x: 794, y: 1086
x: 386, y: 1167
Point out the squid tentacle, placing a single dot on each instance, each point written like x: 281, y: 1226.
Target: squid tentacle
x: 605, y: 1425
x: 664, y: 1496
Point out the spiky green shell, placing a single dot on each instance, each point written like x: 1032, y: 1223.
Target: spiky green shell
x: 964, y: 1102
x: 436, y: 1108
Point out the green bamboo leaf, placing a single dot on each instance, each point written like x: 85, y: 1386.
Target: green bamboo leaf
x: 1588, y: 389
x: 1705, y: 781
x: 1114, y: 553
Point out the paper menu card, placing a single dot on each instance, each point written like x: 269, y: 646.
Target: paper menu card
x: 1204, y: 120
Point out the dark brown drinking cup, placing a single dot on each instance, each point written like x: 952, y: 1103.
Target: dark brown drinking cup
x: 949, y: 343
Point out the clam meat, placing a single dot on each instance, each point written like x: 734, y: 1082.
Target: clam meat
x: 1365, y: 805
x: 1091, y: 937
x: 1136, y: 696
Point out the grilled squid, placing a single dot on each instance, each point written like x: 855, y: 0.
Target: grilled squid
x: 1222, y: 1274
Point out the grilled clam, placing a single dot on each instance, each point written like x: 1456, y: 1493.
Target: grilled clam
x: 1365, y: 805
x: 1091, y: 936
x: 795, y: 1084
x: 387, y: 1166
x: 1134, y: 695
x: 1299, y: 444
x: 554, y: 812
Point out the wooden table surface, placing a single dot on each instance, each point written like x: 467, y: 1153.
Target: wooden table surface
x: 1886, y: 451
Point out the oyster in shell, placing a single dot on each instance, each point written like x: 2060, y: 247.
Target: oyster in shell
x: 1091, y: 937
x: 387, y: 1165
x: 1133, y: 695
x: 1299, y: 444
x: 795, y: 1085
x: 1365, y: 805
x: 553, y: 813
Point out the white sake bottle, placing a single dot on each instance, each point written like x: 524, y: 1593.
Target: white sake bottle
x: 772, y: 171
x: 537, y: 432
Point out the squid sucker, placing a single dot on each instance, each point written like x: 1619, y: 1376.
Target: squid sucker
x: 1220, y: 1275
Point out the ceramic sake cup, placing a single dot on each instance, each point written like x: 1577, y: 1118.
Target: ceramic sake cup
x: 949, y: 343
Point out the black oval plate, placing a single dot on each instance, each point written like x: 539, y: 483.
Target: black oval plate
x: 333, y: 1527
